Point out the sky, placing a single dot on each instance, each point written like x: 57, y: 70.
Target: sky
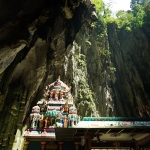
x: 119, y: 4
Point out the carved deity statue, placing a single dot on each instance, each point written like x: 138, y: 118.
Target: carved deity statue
x: 60, y: 114
x: 35, y: 116
x: 65, y: 121
x: 41, y: 121
x: 46, y: 122
x: 66, y: 107
x: 42, y: 104
x: 61, y: 96
x: 56, y: 95
x: 72, y: 110
x: 51, y: 96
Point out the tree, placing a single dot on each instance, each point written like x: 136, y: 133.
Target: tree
x: 135, y: 2
x: 146, y: 2
x: 99, y: 5
x: 120, y: 13
x: 139, y: 15
x: 107, y: 12
x: 124, y: 19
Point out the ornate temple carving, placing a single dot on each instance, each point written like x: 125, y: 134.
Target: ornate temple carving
x: 55, y: 109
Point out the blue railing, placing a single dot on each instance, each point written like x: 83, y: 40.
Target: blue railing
x: 116, y: 119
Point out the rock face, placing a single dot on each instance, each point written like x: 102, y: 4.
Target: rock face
x: 130, y: 54
x: 117, y: 66
x: 36, y: 42
x: 96, y: 57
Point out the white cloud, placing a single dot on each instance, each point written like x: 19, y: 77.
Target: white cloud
x: 116, y: 5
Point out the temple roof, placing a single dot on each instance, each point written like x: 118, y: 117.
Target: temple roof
x: 60, y: 83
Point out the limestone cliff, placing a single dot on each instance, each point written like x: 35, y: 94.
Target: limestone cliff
x: 36, y: 42
x: 130, y: 55
x: 100, y: 73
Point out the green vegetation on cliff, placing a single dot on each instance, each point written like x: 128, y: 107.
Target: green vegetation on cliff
x: 85, y: 98
x: 129, y: 20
